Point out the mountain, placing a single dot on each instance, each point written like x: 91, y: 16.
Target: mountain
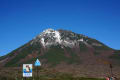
x: 65, y: 51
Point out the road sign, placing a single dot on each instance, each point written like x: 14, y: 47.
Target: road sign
x: 27, y: 70
x: 37, y: 63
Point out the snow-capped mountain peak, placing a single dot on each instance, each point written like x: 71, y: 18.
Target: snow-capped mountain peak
x: 62, y: 37
x: 48, y: 37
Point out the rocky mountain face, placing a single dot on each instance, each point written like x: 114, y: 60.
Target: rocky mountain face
x: 64, y: 38
x: 65, y: 51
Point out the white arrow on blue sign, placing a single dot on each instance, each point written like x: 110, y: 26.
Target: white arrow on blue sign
x: 37, y: 63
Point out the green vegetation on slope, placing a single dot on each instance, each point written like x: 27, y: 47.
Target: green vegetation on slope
x: 103, y: 47
x: 116, y: 55
x: 44, y: 74
x: 22, y: 54
x: 115, y: 58
x: 83, y: 47
x: 73, y: 59
x: 55, y: 55
x: 96, y: 53
x: 46, y: 78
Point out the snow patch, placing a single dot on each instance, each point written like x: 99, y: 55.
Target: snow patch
x: 43, y: 42
x: 81, y: 40
x: 51, y: 34
x: 58, y: 37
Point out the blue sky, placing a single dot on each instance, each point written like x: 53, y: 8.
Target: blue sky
x: 21, y: 20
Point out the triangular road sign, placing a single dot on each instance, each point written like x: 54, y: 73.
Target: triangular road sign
x: 37, y: 63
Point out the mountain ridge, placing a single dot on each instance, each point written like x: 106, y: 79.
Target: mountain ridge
x: 62, y: 37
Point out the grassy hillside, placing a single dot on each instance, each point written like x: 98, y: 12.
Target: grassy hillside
x: 55, y: 55
x: 116, y: 55
x: 44, y: 74
x: 21, y: 54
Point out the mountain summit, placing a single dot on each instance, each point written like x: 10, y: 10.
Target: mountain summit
x: 48, y: 37
x: 64, y: 38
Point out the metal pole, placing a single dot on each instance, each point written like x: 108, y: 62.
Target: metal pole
x: 37, y: 73
x: 111, y: 70
x: 25, y: 78
x: 16, y: 77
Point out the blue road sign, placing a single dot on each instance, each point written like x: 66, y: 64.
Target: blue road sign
x: 37, y: 63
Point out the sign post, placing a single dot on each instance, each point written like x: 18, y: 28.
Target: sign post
x: 37, y: 64
x: 111, y: 70
x: 27, y: 70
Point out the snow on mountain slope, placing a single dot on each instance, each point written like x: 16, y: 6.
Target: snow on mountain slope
x: 65, y: 38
